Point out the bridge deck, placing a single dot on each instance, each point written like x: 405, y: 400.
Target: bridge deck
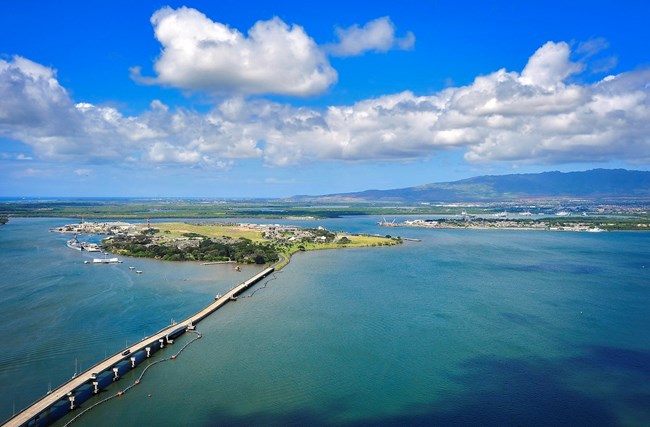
x: 61, y: 392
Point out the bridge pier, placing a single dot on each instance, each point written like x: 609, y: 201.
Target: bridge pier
x: 132, y: 362
x: 39, y: 410
x: 71, y: 399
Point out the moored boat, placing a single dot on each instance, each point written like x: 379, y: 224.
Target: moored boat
x: 90, y: 247
x: 106, y: 261
x: 75, y: 244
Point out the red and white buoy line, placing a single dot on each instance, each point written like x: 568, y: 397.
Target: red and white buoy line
x: 122, y: 392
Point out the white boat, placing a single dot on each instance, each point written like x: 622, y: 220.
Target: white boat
x: 131, y: 268
x: 75, y: 244
x: 595, y: 230
x: 138, y: 271
x: 106, y: 261
x: 91, y: 247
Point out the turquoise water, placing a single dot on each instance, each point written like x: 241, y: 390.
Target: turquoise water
x: 467, y: 327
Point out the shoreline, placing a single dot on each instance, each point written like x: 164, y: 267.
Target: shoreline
x: 503, y: 224
x: 220, y: 242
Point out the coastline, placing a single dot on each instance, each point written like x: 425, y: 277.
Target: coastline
x: 510, y: 224
x: 221, y: 242
x: 469, y: 291
x: 42, y: 406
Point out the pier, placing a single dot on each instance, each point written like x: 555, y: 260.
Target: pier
x: 37, y: 413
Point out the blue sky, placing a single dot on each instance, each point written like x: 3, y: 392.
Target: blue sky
x: 272, y: 99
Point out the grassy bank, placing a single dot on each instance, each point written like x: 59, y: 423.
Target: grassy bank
x: 252, y: 243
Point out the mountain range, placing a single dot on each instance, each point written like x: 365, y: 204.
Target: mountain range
x: 592, y: 184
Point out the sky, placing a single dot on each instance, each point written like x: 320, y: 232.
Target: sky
x: 265, y: 99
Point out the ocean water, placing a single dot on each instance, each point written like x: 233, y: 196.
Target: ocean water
x: 466, y: 327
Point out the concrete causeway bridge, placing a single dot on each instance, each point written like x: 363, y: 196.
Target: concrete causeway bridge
x: 88, y: 383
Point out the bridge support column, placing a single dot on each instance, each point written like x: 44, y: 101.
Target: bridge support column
x: 162, y: 343
x: 116, y: 374
x: 148, y: 349
x: 71, y: 399
x: 132, y: 362
x: 96, y: 385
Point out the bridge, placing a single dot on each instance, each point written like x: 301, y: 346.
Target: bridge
x: 31, y: 416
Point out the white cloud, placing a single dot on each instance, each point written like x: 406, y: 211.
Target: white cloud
x: 32, y: 97
x: 83, y: 172
x: 377, y: 35
x: 199, y: 54
x: 530, y: 117
x: 592, y: 46
x: 549, y: 66
x: 16, y: 156
x: 279, y: 181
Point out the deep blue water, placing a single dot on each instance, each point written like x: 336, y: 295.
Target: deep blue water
x: 466, y: 327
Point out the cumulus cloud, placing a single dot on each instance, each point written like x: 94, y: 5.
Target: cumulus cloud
x: 377, y: 35
x: 31, y: 96
x: 37, y: 111
x: 199, y: 54
x: 532, y: 116
x: 550, y: 66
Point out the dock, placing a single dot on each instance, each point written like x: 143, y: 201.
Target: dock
x: 32, y: 415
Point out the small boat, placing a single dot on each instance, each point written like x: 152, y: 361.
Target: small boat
x: 595, y: 230
x: 131, y: 268
x: 138, y: 271
x: 76, y: 371
x: 217, y: 296
x: 106, y: 261
x: 75, y: 244
x: 233, y: 298
x: 90, y: 247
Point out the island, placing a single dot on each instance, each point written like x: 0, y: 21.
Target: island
x: 212, y: 242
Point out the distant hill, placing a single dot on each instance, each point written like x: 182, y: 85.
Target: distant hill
x: 592, y: 184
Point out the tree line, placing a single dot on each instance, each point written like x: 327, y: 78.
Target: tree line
x: 208, y: 250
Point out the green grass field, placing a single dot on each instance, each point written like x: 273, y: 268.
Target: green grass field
x: 177, y: 229
x: 174, y: 230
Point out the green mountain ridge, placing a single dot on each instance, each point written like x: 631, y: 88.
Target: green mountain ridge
x: 591, y: 184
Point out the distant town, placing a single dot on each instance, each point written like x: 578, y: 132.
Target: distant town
x: 563, y: 222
